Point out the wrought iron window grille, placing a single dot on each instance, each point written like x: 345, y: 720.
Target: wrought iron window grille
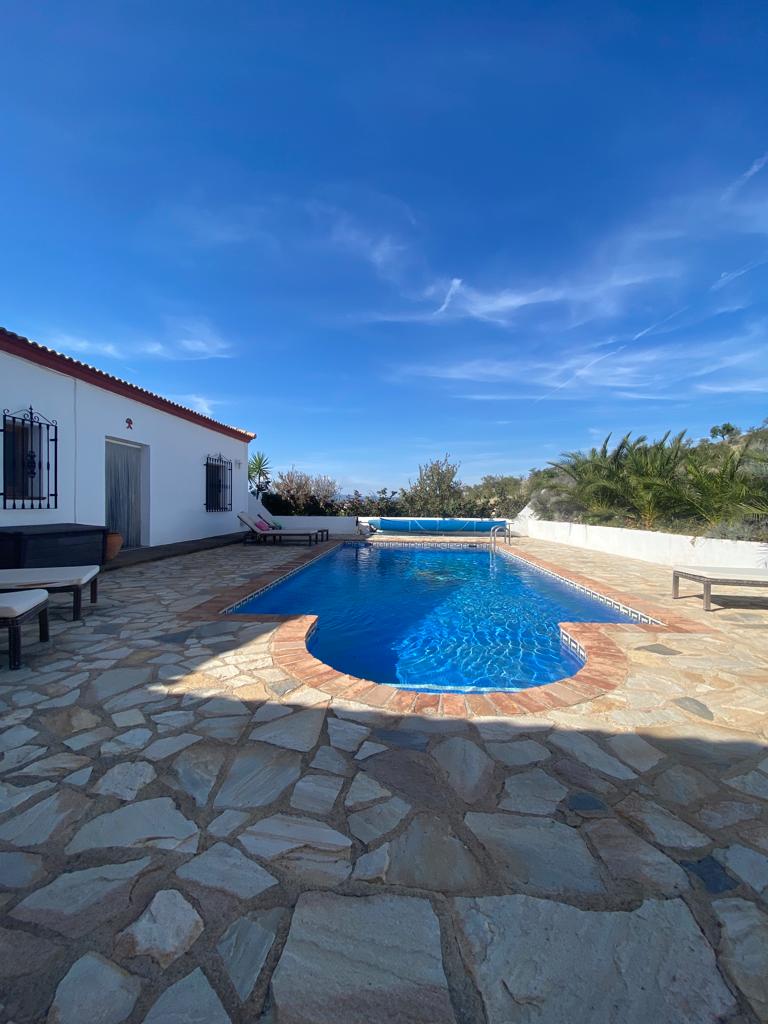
x: 218, y: 484
x: 30, y: 460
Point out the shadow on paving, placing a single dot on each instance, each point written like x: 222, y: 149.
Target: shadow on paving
x: 177, y: 844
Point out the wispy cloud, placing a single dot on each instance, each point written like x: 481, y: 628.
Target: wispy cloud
x: 199, y: 403
x: 735, y: 186
x: 184, y: 339
x: 72, y: 344
x: 735, y: 387
x: 726, y: 277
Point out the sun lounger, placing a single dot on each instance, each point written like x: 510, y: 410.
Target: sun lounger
x: 256, y: 535
x: 708, y: 575
x: 67, y: 578
x: 322, y: 532
x: 16, y: 608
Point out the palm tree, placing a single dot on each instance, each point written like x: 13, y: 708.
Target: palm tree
x: 725, y: 487
x: 258, y: 472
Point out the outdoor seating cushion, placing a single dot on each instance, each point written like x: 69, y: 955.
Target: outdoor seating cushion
x: 261, y: 525
x: 271, y: 525
x: 56, y: 576
x: 15, y: 604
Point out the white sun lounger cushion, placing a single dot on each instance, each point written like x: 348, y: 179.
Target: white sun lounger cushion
x: 14, y: 605
x: 58, y: 576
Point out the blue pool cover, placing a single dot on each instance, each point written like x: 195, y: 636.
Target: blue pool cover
x: 435, y: 620
x: 436, y: 525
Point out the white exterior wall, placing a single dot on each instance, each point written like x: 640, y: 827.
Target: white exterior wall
x: 174, y: 458
x: 335, y: 525
x: 648, y: 545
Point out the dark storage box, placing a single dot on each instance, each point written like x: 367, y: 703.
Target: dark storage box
x: 39, y: 547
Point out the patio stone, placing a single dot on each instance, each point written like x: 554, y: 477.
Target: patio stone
x: 329, y: 760
x: 259, y: 774
x: 408, y: 739
x: 364, y: 790
x: 300, y: 731
x: 225, y: 868
x: 519, y: 753
x: 727, y: 812
x: 55, y: 765
x: 189, y: 1001
x: 126, y: 742
x: 125, y: 780
x: 377, y: 820
x: 83, y: 740
x: 368, y: 749
x: 22, y: 953
x: 77, y: 901
x: 309, y: 849
x: 225, y: 823
x: 154, y: 823
x: 585, y: 749
x: 429, y: 856
x: 118, y: 680
x: 753, y: 783
x: 20, y: 870
x: 227, y: 729
x: 346, y: 735
x: 577, y: 774
x: 372, y: 866
x: 70, y: 720
x: 36, y: 825
x: 630, y: 858
x: 744, y: 949
x: 712, y: 874
x: 16, y: 736
x: 326, y: 973
x: 316, y: 793
x: 124, y: 719
x: 14, y: 796
x: 163, y: 748
x: 539, y: 853
x: 536, y: 960
x: 196, y: 769
x: 662, y: 825
x: 165, y: 931
x: 469, y: 769
x: 532, y: 792
x: 245, y: 946
x: 20, y: 755
x: 95, y: 990
x: 635, y: 751
x: 748, y: 865
x: 682, y: 785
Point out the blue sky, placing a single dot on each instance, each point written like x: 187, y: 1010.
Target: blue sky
x: 374, y: 233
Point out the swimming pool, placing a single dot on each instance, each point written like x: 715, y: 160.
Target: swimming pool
x: 435, y: 619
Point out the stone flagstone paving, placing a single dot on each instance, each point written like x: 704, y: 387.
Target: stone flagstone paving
x: 187, y: 833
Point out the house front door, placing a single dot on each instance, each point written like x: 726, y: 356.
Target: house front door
x: 123, y: 485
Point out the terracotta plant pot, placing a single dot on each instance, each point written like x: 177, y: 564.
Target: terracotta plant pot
x: 114, y: 543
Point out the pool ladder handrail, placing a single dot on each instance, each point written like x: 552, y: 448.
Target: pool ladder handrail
x: 495, y: 537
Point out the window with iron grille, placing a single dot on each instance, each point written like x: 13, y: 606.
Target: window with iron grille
x: 30, y: 460
x: 218, y: 484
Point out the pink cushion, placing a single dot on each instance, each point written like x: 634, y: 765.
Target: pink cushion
x: 261, y: 526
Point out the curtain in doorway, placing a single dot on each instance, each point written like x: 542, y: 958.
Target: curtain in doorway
x: 123, y: 480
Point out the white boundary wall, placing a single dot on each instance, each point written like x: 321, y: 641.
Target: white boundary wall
x: 335, y: 525
x: 647, y: 545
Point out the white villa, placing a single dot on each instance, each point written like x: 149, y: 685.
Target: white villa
x: 80, y: 446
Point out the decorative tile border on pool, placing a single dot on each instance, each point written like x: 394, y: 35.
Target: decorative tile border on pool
x: 605, y: 667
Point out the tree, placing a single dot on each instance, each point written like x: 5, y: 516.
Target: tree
x: 258, y: 472
x: 495, y: 496
x: 437, y: 490
x: 725, y: 431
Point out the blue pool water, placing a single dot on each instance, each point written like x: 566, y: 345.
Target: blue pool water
x: 433, y: 619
